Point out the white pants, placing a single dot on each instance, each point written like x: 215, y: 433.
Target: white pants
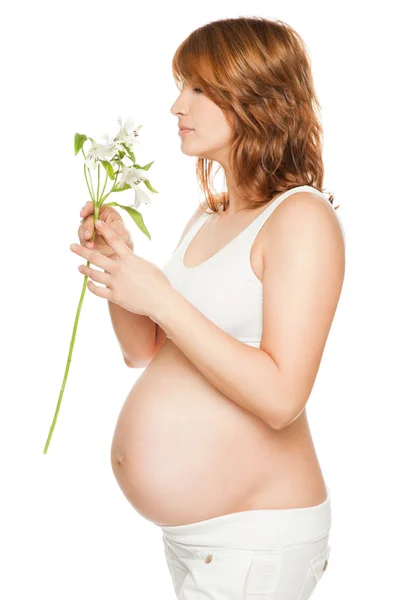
x: 250, y: 555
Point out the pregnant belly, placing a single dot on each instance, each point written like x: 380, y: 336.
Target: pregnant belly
x: 183, y: 452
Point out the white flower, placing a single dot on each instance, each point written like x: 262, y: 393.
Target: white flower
x: 140, y: 196
x: 99, y: 152
x: 128, y: 132
x: 133, y: 176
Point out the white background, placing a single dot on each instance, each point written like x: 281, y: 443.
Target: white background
x: 66, y: 529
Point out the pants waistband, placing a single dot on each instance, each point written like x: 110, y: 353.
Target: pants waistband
x: 256, y: 529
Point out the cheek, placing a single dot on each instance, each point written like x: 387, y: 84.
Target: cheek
x: 219, y: 125
x: 219, y: 133
x: 212, y: 123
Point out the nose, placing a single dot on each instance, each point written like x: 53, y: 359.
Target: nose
x: 174, y: 109
x: 178, y: 107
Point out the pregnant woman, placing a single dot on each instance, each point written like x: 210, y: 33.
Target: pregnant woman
x: 212, y: 443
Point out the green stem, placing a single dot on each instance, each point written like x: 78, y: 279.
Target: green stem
x: 91, y: 183
x: 71, y: 347
x: 104, y: 187
x: 97, y: 204
x: 87, y: 183
x: 98, y: 181
x: 72, y: 342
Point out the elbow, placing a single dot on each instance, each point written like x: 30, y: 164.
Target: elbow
x: 280, y: 423
x: 286, y: 412
x: 139, y: 363
x: 274, y: 419
x: 277, y: 424
x: 291, y: 399
x: 128, y: 363
x: 286, y: 419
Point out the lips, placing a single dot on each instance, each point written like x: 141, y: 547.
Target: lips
x: 184, y: 132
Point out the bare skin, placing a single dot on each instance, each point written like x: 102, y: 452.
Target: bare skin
x: 183, y: 452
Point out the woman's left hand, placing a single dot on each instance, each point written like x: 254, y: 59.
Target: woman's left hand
x: 131, y: 281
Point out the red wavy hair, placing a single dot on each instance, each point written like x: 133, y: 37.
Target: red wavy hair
x: 258, y: 72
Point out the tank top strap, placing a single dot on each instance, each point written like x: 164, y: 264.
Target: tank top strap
x: 192, y: 232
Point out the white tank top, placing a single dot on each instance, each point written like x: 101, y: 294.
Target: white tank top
x: 224, y: 287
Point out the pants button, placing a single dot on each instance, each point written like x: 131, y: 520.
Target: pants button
x: 208, y: 558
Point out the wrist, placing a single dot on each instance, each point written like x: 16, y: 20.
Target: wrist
x: 162, y: 313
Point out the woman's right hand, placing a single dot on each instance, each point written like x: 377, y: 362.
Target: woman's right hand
x: 109, y: 216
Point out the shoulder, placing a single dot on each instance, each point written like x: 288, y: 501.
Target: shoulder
x: 303, y: 218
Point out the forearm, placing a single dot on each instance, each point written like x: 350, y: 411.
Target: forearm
x: 135, y: 333
x: 246, y: 375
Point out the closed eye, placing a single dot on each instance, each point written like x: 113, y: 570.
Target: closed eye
x: 196, y: 89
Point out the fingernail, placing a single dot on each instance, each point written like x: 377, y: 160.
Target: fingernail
x: 99, y: 223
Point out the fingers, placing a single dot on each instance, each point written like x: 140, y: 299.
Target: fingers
x: 84, y: 233
x: 86, y: 228
x: 112, y: 239
x: 96, y: 275
x: 87, y: 209
x: 93, y: 256
x: 80, y: 234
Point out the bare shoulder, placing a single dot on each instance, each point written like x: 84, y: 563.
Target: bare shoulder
x: 306, y: 211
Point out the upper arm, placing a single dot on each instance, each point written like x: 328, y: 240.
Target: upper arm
x: 304, y: 265
x: 161, y: 336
